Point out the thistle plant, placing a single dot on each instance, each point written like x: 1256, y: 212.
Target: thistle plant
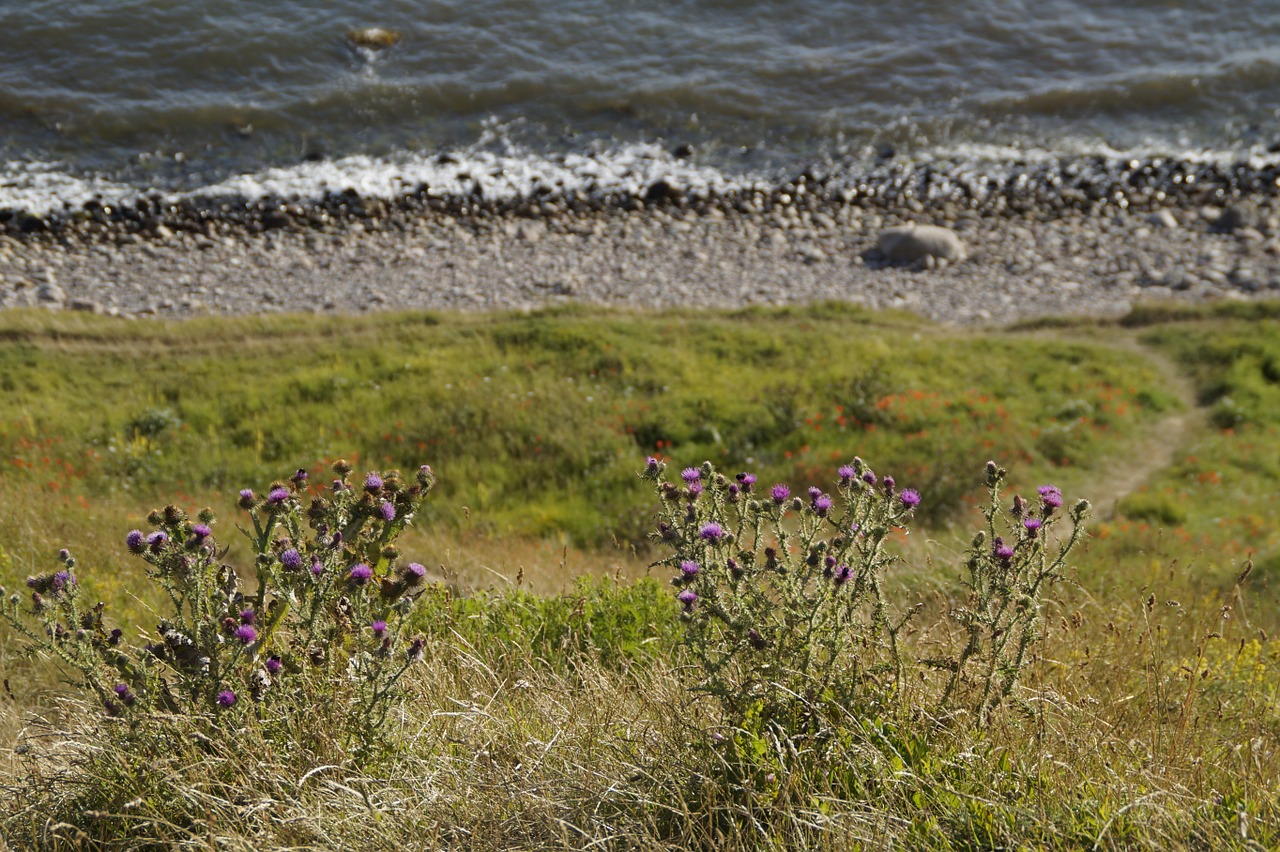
x: 325, y: 621
x: 784, y: 596
x: 1009, y: 568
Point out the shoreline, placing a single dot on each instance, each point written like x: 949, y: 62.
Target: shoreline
x: 1088, y: 238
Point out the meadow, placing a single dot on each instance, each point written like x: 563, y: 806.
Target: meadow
x: 553, y: 707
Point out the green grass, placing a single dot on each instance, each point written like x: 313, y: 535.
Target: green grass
x: 551, y: 721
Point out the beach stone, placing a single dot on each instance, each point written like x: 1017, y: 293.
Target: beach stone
x: 914, y: 242
x: 1162, y: 219
x: 526, y: 230
x: 88, y: 306
x: 1242, y: 215
x: 51, y: 294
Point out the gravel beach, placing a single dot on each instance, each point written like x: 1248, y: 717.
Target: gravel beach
x: 1091, y: 256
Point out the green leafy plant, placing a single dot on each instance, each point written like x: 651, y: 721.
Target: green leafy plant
x: 326, y: 619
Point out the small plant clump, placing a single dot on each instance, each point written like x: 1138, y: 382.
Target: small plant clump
x: 326, y: 618
x: 784, y: 601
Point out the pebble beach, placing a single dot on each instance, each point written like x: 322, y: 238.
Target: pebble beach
x: 1028, y: 252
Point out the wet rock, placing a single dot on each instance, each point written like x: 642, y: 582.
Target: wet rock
x: 1162, y: 219
x: 914, y: 242
x: 373, y: 38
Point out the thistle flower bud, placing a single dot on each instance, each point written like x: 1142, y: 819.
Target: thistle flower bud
x: 796, y: 504
x: 206, y: 516
x: 247, y: 498
x: 155, y: 517
x: 426, y: 477
x: 1019, y: 506
x: 707, y: 468
x: 756, y: 640
x: 299, y: 478
x: 416, y: 650
x: 173, y: 515
x: 342, y: 467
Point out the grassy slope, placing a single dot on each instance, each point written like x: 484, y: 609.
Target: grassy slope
x: 1160, y: 723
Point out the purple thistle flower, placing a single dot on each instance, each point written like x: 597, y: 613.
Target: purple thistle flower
x: 379, y: 628
x: 416, y: 648
x: 821, y: 505
x: 246, y: 498
x: 734, y: 490
x: 888, y: 484
x: 273, y: 664
x: 246, y: 634
x: 136, y: 541
x: 869, y: 478
x: 1004, y: 553
x: 1032, y: 524
x: 756, y: 640
x: 299, y: 477
x: 416, y: 570
x: 226, y: 699
x: 814, y: 492
x: 372, y: 483
x: 711, y: 532
x: 689, y: 569
x: 201, y: 531
x: 688, y: 597
x: 780, y: 493
x: 690, y: 474
x: 317, y: 567
x: 843, y: 573
x: 846, y: 473
x: 910, y: 498
x: 387, y: 511
x: 695, y: 488
x: 747, y: 480
x: 1051, y: 497
x: 277, y: 496
x: 248, y: 616
x: 361, y: 573
x: 157, y: 540
x: 121, y: 689
x: 291, y: 560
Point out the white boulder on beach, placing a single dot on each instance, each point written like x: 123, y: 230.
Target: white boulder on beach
x: 915, y: 242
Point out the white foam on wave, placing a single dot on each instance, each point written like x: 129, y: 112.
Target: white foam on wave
x: 511, y: 173
x: 1067, y: 149
x: 500, y: 174
x: 41, y: 187
x: 507, y: 171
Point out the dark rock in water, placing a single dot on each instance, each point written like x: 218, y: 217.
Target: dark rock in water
x: 682, y: 152
x: 30, y: 223
x: 313, y: 157
x: 662, y: 191
x: 273, y: 219
x: 373, y: 38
